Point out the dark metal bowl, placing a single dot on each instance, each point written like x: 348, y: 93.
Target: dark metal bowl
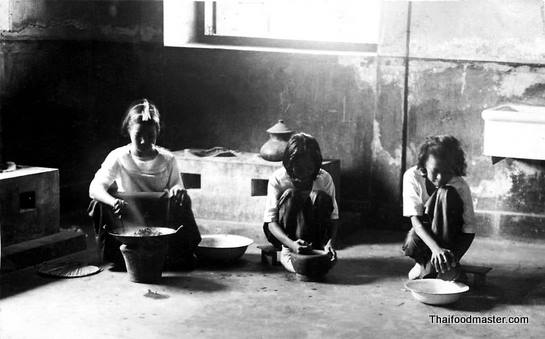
x: 129, y: 236
x: 315, y: 264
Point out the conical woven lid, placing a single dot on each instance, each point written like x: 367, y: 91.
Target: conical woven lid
x: 279, y: 127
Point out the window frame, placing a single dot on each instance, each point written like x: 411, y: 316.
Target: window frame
x: 201, y: 37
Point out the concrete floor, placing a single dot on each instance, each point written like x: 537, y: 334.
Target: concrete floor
x: 362, y: 297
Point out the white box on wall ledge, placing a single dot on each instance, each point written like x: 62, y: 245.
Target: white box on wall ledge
x: 515, y: 131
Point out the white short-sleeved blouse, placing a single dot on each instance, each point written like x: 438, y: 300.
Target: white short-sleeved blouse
x: 132, y: 174
x: 280, y: 182
x: 415, y: 197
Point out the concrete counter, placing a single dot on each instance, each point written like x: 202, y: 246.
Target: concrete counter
x: 233, y: 188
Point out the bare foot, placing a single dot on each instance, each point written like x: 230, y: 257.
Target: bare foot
x: 415, y: 272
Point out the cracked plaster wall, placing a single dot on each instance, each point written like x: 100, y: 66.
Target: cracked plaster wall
x: 82, y: 61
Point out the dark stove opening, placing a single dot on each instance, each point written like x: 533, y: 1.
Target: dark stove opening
x: 27, y: 200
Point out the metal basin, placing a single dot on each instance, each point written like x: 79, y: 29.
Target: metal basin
x: 223, y: 248
x: 436, y: 291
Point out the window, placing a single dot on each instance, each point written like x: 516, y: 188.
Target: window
x: 346, y: 25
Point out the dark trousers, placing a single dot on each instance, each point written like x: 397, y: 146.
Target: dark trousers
x: 443, y: 218
x: 300, y: 218
x: 182, y: 245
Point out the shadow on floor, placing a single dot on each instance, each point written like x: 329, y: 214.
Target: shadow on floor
x: 373, y: 236
x: 504, y: 287
x: 250, y: 262
x: 15, y: 282
x: 516, y: 288
x: 19, y: 282
x: 192, y: 283
x: 486, y: 298
x: 480, y: 300
x: 361, y: 271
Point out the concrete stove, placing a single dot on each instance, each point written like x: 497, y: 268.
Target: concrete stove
x: 30, y: 218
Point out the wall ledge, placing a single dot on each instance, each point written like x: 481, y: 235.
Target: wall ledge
x: 272, y: 49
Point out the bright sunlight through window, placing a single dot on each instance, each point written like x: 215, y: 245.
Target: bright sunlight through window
x: 348, y: 21
x: 319, y: 25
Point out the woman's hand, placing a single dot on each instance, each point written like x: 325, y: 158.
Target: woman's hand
x: 329, y: 249
x: 300, y: 246
x: 442, y: 260
x: 120, y: 207
x: 177, y: 193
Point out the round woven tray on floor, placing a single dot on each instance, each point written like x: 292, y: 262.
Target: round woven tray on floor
x: 68, y: 270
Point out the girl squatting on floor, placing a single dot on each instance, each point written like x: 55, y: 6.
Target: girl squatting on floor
x: 301, y: 212
x: 438, y: 202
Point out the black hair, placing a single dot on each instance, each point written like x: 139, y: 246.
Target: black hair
x: 301, y: 144
x: 141, y: 111
x: 445, y: 148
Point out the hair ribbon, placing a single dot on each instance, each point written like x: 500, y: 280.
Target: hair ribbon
x: 146, y: 115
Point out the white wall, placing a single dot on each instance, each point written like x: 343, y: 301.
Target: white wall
x: 4, y: 15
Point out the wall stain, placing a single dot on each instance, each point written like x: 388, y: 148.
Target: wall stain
x: 515, y: 83
x: 535, y: 90
x: 379, y: 153
x: 526, y: 194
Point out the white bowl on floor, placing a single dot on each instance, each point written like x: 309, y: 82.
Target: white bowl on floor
x: 436, y: 291
x: 222, y: 247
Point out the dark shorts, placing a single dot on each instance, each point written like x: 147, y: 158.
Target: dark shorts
x: 443, y: 217
x: 301, y: 218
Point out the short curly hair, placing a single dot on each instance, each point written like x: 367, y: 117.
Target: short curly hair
x: 446, y: 148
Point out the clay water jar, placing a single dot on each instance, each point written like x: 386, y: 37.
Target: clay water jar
x: 273, y: 149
